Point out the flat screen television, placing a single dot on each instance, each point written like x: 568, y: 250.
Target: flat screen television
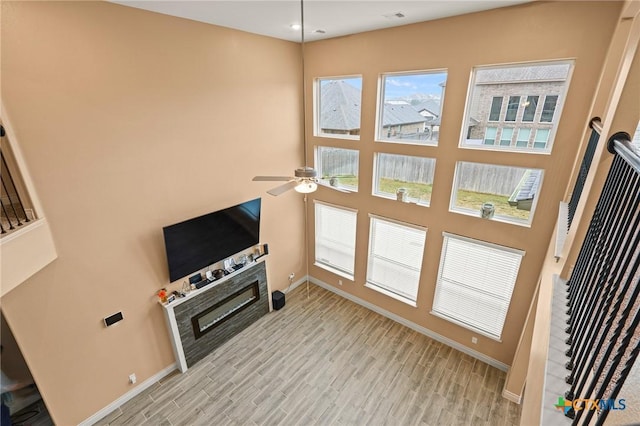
x: 199, y: 242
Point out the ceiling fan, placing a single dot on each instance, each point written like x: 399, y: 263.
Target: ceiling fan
x: 305, y: 179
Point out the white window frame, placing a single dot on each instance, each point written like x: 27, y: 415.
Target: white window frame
x: 539, y: 141
x: 379, y: 266
x: 499, y: 110
x: 470, y: 143
x: 519, y: 139
x: 319, y: 167
x: 499, y: 218
x: 379, y: 133
x: 509, y: 103
x: 507, y: 130
x: 333, y: 247
x: 317, y: 102
x: 475, y: 284
x: 376, y: 179
x: 495, y: 136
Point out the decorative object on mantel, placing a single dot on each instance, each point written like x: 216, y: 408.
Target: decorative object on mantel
x: 487, y: 210
x: 162, y: 294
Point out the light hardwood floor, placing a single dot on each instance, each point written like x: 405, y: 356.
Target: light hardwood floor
x: 326, y: 360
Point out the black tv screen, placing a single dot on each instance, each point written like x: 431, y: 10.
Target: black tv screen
x: 199, y: 242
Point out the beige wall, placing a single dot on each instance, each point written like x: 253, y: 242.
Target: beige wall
x: 533, y: 32
x: 130, y: 121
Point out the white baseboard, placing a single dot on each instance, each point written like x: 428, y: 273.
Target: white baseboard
x: 435, y: 336
x: 511, y: 396
x: 296, y: 284
x: 129, y: 395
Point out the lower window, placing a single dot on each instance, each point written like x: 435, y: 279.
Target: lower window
x: 475, y: 283
x: 501, y: 192
x: 414, y: 175
x: 395, y: 258
x: 335, y: 238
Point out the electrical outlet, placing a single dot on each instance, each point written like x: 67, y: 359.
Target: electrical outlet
x: 132, y: 379
x: 291, y: 277
x: 339, y: 282
x: 474, y: 340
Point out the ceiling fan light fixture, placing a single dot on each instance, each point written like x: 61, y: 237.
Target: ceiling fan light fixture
x: 306, y: 187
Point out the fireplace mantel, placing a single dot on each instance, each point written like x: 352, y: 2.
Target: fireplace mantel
x: 206, y: 318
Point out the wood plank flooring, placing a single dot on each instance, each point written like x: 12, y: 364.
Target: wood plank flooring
x: 325, y: 360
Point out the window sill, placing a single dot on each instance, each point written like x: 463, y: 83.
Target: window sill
x: 467, y: 326
x: 407, y: 142
x: 501, y: 219
x: 391, y: 294
x: 511, y: 149
x: 334, y: 270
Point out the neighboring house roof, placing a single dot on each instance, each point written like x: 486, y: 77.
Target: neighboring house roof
x: 340, y: 106
x: 396, y: 114
x: 556, y: 72
x: 432, y: 106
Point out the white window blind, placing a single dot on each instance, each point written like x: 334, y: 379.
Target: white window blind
x: 335, y: 238
x: 395, y: 258
x: 475, y: 283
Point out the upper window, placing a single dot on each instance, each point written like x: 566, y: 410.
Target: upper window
x: 512, y: 108
x: 496, y: 108
x: 338, y: 167
x: 524, y: 86
x: 475, y: 283
x: 490, y: 191
x: 548, y: 109
x: 530, y: 106
x: 335, y: 238
x: 338, y: 102
x: 395, y: 258
x: 410, y: 107
x: 397, y: 175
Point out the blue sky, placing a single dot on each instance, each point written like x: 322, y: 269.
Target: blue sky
x: 400, y: 86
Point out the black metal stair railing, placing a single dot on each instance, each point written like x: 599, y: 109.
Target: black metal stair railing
x: 602, y: 293
x: 584, y: 167
x: 12, y: 211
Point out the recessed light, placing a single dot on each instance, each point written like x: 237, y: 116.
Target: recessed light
x: 295, y: 26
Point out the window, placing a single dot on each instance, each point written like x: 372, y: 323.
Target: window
x: 414, y: 174
x: 544, y: 85
x: 496, y: 108
x: 338, y: 102
x: 530, y: 106
x: 512, y: 108
x: 490, y: 135
x: 542, y: 137
x: 395, y: 258
x: 523, y: 138
x: 510, y: 192
x: 410, y: 107
x: 475, y: 283
x: 506, y: 136
x: 548, y: 109
x: 338, y: 167
x: 335, y: 238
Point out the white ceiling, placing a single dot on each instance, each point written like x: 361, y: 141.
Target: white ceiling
x: 337, y: 18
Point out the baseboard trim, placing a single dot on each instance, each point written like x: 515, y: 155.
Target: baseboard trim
x: 511, y: 396
x: 296, y: 284
x: 435, y: 336
x: 129, y: 395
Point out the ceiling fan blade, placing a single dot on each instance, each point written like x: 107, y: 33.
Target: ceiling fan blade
x: 272, y: 178
x: 283, y: 188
